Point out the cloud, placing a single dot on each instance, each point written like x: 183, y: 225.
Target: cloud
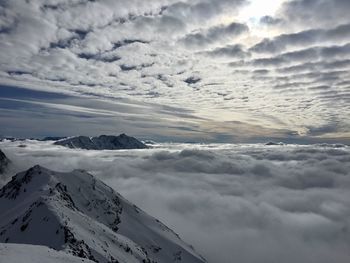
x: 316, y: 66
x: 22, y: 115
x: 192, y: 80
x: 270, y: 21
x: 316, y: 12
x: 259, y: 203
x: 302, y: 39
x: 204, y: 10
x: 148, y: 52
x: 31, y: 113
x: 308, y: 54
x: 230, y: 51
x: 214, y: 34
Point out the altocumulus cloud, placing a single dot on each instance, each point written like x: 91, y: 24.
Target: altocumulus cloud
x: 144, y: 52
x: 234, y: 203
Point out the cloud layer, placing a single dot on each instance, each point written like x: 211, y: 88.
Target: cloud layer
x: 247, y: 203
x: 284, y: 70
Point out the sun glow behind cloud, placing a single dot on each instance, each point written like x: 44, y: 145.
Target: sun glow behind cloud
x: 252, y: 13
x: 256, y: 9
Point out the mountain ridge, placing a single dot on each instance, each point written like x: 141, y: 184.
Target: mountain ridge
x: 4, y: 162
x: 102, y: 142
x: 80, y: 215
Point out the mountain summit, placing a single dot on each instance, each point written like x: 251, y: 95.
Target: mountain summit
x: 102, y: 142
x: 81, y: 216
x: 4, y: 162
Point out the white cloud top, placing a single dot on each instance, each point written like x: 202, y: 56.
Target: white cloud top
x: 250, y: 203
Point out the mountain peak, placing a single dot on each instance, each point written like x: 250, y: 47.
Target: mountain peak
x: 102, y: 142
x: 4, y: 162
x: 77, y: 213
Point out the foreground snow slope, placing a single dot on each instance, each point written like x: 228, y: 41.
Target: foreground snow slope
x: 81, y: 215
x: 20, y: 253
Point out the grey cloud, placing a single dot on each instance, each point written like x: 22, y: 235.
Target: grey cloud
x: 99, y: 57
x: 329, y: 128
x: 261, y: 71
x: 192, y: 80
x: 214, y: 34
x: 318, y: 76
x: 319, y: 87
x: 22, y: 115
x: 165, y: 24
x: 127, y: 67
x: 230, y: 51
x: 316, y: 12
x: 308, y: 54
x: 203, y: 10
x: 316, y: 66
x: 270, y: 21
x: 30, y: 31
x: 8, y: 21
x: 303, y: 38
x: 89, y: 15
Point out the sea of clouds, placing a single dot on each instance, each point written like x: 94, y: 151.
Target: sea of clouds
x: 233, y: 203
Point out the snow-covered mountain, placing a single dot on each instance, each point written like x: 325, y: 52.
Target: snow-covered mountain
x: 4, y: 162
x: 102, y: 142
x: 20, y: 253
x: 80, y: 215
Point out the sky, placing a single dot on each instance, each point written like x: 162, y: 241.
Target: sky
x: 171, y: 70
x: 246, y: 203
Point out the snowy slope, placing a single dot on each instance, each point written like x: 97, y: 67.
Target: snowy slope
x: 102, y: 142
x: 19, y: 253
x: 4, y: 162
x: 81, y: 215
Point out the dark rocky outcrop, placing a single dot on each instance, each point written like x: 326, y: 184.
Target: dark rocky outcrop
x: 4, y: 162
x: 102, y: 142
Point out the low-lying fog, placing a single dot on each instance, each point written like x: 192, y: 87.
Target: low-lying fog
x: 233, y: 203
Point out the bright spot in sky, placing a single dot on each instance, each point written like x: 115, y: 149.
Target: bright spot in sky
x: 251, y: 15
x: 259, y: 8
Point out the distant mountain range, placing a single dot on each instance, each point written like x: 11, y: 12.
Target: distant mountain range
x: 274, y: 143
x: 102, y: 142
x: 82, y: 217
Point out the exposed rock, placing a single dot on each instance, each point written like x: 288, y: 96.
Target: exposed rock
x: 274, y: 143
x: 4, y: 162
x: 102, y: 142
